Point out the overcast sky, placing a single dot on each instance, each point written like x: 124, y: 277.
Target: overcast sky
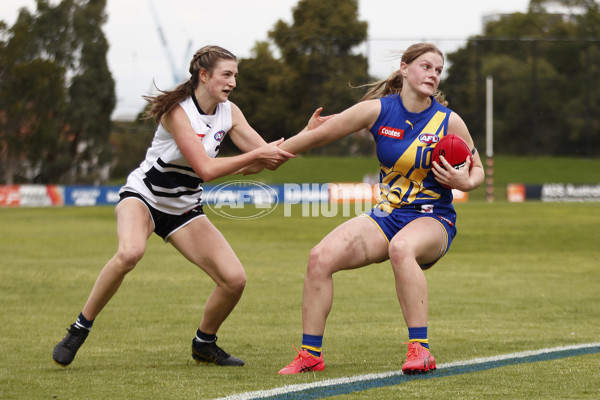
x: 137, y: 56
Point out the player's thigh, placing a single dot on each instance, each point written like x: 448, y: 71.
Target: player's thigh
x: 424, y: 238
x: 204, y: 245
x: 355, y: 243
x: 134, y: 225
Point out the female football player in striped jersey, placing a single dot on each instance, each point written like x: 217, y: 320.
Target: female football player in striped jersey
x: 413, y: 223
x: 164, y: 195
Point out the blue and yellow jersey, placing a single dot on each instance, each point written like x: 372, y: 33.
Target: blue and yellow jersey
x: 405, y: 143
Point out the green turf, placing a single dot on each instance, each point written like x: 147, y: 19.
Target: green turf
x: 518, y: 277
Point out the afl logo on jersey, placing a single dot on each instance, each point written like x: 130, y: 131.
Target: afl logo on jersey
x: 391, y: 132
x: 428, y: 138
x: 219, y: 136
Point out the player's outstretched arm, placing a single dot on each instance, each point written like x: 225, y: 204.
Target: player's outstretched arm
x: 360, y: 116
x: 208, y: 168
x: 315, y: 121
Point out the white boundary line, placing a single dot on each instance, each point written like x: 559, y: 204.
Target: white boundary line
x: 358, y: 378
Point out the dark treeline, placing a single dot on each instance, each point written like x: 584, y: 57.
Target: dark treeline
x: 57, y: 93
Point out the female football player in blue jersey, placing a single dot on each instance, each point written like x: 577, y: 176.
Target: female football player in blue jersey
x: 164, y: 195
x: 413, y: 223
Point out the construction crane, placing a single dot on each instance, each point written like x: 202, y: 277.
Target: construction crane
x: 175, y: 70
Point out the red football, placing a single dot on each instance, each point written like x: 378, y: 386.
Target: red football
x: 454, y: 149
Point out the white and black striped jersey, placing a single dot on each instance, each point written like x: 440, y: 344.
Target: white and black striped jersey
x: 165, y: 178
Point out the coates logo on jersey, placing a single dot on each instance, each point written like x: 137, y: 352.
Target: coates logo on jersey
x: 219, y: 136
x: 428, y: 138
x: 391, y: 132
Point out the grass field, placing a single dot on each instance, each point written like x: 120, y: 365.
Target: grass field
x: 518, y: 277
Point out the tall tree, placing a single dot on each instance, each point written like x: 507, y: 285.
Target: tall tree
x: 320, y: 59
x: 31, y: 100
x: 545, y: 69
x: 318, y: 65
x: 260, y: 94
x: 57, y: 94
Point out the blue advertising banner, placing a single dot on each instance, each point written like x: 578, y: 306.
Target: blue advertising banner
x: 91, y: 195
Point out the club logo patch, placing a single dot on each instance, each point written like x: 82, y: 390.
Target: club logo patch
x: 428, y: 138
x: 219, y: 136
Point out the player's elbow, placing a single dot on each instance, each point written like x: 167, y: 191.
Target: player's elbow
x: 207, y: 177
x: 206, y: 174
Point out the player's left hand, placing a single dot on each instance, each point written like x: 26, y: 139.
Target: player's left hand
x: 316, y: 119
x: 450, y: 176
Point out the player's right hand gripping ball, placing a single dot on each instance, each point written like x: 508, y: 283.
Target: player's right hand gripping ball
x: 454, y: 149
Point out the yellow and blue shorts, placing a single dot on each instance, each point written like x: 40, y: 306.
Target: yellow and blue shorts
x: 390, y: 223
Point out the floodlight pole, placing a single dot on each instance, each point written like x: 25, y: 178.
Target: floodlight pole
x: 489, y: 138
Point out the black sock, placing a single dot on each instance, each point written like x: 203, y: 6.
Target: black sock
x: 83, y: 322
x: 202, y: 337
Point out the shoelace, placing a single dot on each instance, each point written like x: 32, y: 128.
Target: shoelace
x: 220, y: 351
x: 73, y: 337
x: 413, y: 351
x: 299, y: 357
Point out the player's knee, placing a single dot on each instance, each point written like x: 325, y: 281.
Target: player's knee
x: 400, y: 251
x: 128, y: 257
x: 319, y: 262
x: 236, y: 283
